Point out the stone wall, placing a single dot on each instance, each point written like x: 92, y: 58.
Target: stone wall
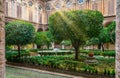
x: 39, y: 11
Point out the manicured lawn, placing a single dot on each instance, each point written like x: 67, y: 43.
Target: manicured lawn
x: 21, y: 73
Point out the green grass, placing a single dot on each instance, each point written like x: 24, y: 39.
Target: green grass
x: 21, y: 73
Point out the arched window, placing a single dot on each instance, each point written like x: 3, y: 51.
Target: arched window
x: 30, y: 3
x: 40, y: 18
x: 40, y: 7
x: 39, y: 30
x: 58, y: 6
x: 46, y: 29
x: 80, y: 1
x: 6, y: 8
x: 68, y: 3
x: 30, y: 16
x: 19, y: 11
x: 13, y: 1
x: 48, y: 7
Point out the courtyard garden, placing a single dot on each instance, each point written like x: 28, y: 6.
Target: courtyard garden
x: 78, y: 29
x: 104, y: 66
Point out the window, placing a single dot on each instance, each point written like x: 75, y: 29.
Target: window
x: 19, y: 10
x: 40, y: 18
x: 30, y: 3
x: 6, y: 8
x: 68, y: 3
x: 48, y: 17
x: 47, y: 7
x: 39, y: 7
x: 58, y: 6
x: 80, y: 1
x: 13, y: 1
x: 30, y: 16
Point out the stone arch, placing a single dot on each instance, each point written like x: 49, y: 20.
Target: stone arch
x: 57, y: 4
x: 48, y: 6
x: 39, y: 30
x: 46, y: 29
x: 106, y: 23
x: 68, y: 3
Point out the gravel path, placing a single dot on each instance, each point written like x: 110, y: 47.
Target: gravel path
x: 23, y: 72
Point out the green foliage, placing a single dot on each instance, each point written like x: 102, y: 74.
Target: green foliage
x: 13, y: 56
x: 54, y: 53
x: 43, y: 38
x: 93, y: 41
x: 66, y: 25
x: 105, y: 65
x: 19, y: 33
x: 111, y: 31
x: 66, y: 42
x: 109, y: 53
x: 76, y: 26
x: 93, y: 23
x: 104, y: 36
x: 33, y: 50
x: 40, y: 38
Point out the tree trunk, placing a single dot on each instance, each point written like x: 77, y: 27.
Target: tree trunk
x: 118, y: 40
x: 48, y: 47
x: 76, y: 53
x: 99, y: 46
x: 19, y: 52
x: 38, y: 46
x: 2, y: 40
x: 102, y: 46
x: 93, y: 47
x: 76, y: 45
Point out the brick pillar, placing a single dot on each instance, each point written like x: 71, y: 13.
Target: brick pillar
x: 118, y: 40
x: 2, y: 40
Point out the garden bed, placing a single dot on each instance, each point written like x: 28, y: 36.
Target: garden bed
x: 83, y: 74
x: 103, y: 68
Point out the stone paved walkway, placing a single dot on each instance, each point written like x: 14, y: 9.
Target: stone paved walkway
x: 46, y: 73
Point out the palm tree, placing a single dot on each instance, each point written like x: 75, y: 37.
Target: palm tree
x: 118, y: 40
x: 2, y: 40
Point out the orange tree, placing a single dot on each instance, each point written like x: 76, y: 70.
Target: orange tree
x: 19, y: 33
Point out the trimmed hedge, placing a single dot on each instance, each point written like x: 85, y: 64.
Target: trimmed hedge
x: 109, y: 53
x: 55, y: 53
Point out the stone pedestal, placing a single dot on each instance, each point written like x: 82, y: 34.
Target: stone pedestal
x: 91, y: 60
x: 2, y: 40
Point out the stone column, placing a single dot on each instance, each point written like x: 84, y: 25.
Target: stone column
x: 118, y: 40
x: 2, y: 40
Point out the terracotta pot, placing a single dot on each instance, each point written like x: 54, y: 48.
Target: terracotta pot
x: 91, y: 54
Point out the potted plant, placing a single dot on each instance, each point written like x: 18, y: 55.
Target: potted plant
x: 91, y: 54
